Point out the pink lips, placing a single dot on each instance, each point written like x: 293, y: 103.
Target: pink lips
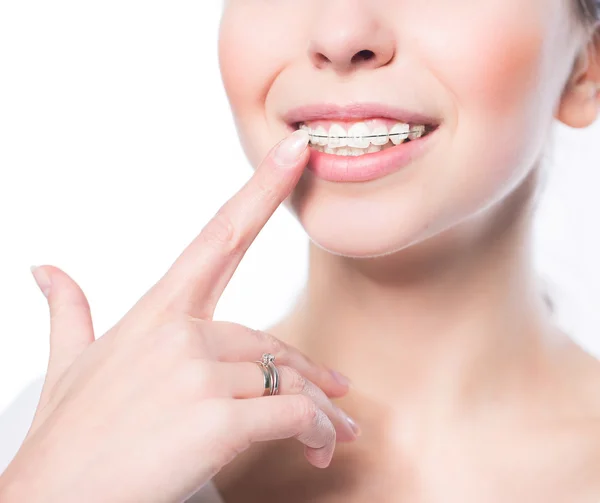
x: 337, y: 168
x: 356, y: 111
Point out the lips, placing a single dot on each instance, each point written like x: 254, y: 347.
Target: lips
x: 364, y: 168
x: 357, y: 111
x: 370, y: 166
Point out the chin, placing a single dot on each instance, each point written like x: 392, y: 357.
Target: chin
x: 358, y: 228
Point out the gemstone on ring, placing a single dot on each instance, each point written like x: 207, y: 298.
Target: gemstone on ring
x: 267, y: 358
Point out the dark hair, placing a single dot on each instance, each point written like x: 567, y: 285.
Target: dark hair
x: 590, y: 10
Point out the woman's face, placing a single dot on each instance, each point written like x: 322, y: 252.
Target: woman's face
x: 488, y: 73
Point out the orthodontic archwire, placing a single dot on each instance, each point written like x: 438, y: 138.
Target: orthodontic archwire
x: 372, y: 135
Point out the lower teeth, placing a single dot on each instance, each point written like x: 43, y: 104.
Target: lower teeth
x: 353, y: 152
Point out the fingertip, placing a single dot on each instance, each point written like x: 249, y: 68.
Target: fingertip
x: 341, y: 379
x: 292, y: 149
x: 347, y: 431
x: 335, y: 393
x: 339, y: 385
x: 320, y: 458
x: 42, y: 279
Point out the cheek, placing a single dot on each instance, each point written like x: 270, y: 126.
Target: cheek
x: 241, y: 53
x: 487, y: 55
x: 492, y: 69
x: 253, y: 51
x: 491, y: 73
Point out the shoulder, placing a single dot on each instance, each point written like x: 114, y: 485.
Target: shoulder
x: 16, y: 419
x: 580, y: 413
x: 581, y: 377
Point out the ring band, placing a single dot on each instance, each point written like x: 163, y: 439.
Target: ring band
x: 270, y: 374
x: 266, y: 378
x: 268, y: 359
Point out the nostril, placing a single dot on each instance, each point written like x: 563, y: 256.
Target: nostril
x: 322, y: 59
x: 365, y: 55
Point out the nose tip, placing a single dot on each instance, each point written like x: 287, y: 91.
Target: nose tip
x: 349, y: 39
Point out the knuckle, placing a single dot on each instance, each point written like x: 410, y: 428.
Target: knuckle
x: 206, y: 382
x: 180, y: 337
x: 196, y: 381
x: 328, y: 424
x: 305, y: 410
x: 267, y: 189
x: 330, y: 433
x: 271, y: 344
x: 297, y: 382
x: 177, y: 334
x: 325, y: 428
x: 221, y: 233
x: 63, y: 308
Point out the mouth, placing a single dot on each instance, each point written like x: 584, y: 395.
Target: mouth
x: 363, y: 137
x: 362, y: 142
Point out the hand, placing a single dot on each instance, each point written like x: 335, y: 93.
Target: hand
x: 155, y: 407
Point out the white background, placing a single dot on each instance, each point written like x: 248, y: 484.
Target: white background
x: 117, y: 145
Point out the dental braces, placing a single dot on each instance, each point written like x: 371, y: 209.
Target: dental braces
x: 371, y: 136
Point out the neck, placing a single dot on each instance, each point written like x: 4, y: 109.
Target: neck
x: 440, y: 324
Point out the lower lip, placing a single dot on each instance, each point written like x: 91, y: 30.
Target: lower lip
x: 362, y: 168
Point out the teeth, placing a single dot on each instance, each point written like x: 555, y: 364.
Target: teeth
x: 359, y: 139
x: 321, y: 131
x: 381, y: 136
x: 399, y: 132
x: 351, y: 152
x: 335, y: 132
x: 357, y: 135
x: 419, y: 130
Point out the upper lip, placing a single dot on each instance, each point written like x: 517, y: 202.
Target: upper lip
x: 330, y: 111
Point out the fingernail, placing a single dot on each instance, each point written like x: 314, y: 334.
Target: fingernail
x: 42, y: 279
x: 351, y: 422
x: 290, y: 149
x: 340, y: 378
x: 355, y: 428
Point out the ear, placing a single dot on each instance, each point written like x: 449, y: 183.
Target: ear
x: 580, y: 101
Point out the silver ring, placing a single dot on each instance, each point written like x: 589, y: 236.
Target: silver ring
x: 268, y: 361
x: 267, y: 381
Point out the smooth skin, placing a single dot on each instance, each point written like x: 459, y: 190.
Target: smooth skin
x: 155, y: 407
x: 421, y: 285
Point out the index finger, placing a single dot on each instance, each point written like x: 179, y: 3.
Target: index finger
x: 197, y: 279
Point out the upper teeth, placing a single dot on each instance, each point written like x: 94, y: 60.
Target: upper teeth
x: 359, y: 135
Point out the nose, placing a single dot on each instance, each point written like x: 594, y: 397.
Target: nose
x: 348, y: 35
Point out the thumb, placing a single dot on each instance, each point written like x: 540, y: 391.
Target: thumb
x: 71, y: 329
